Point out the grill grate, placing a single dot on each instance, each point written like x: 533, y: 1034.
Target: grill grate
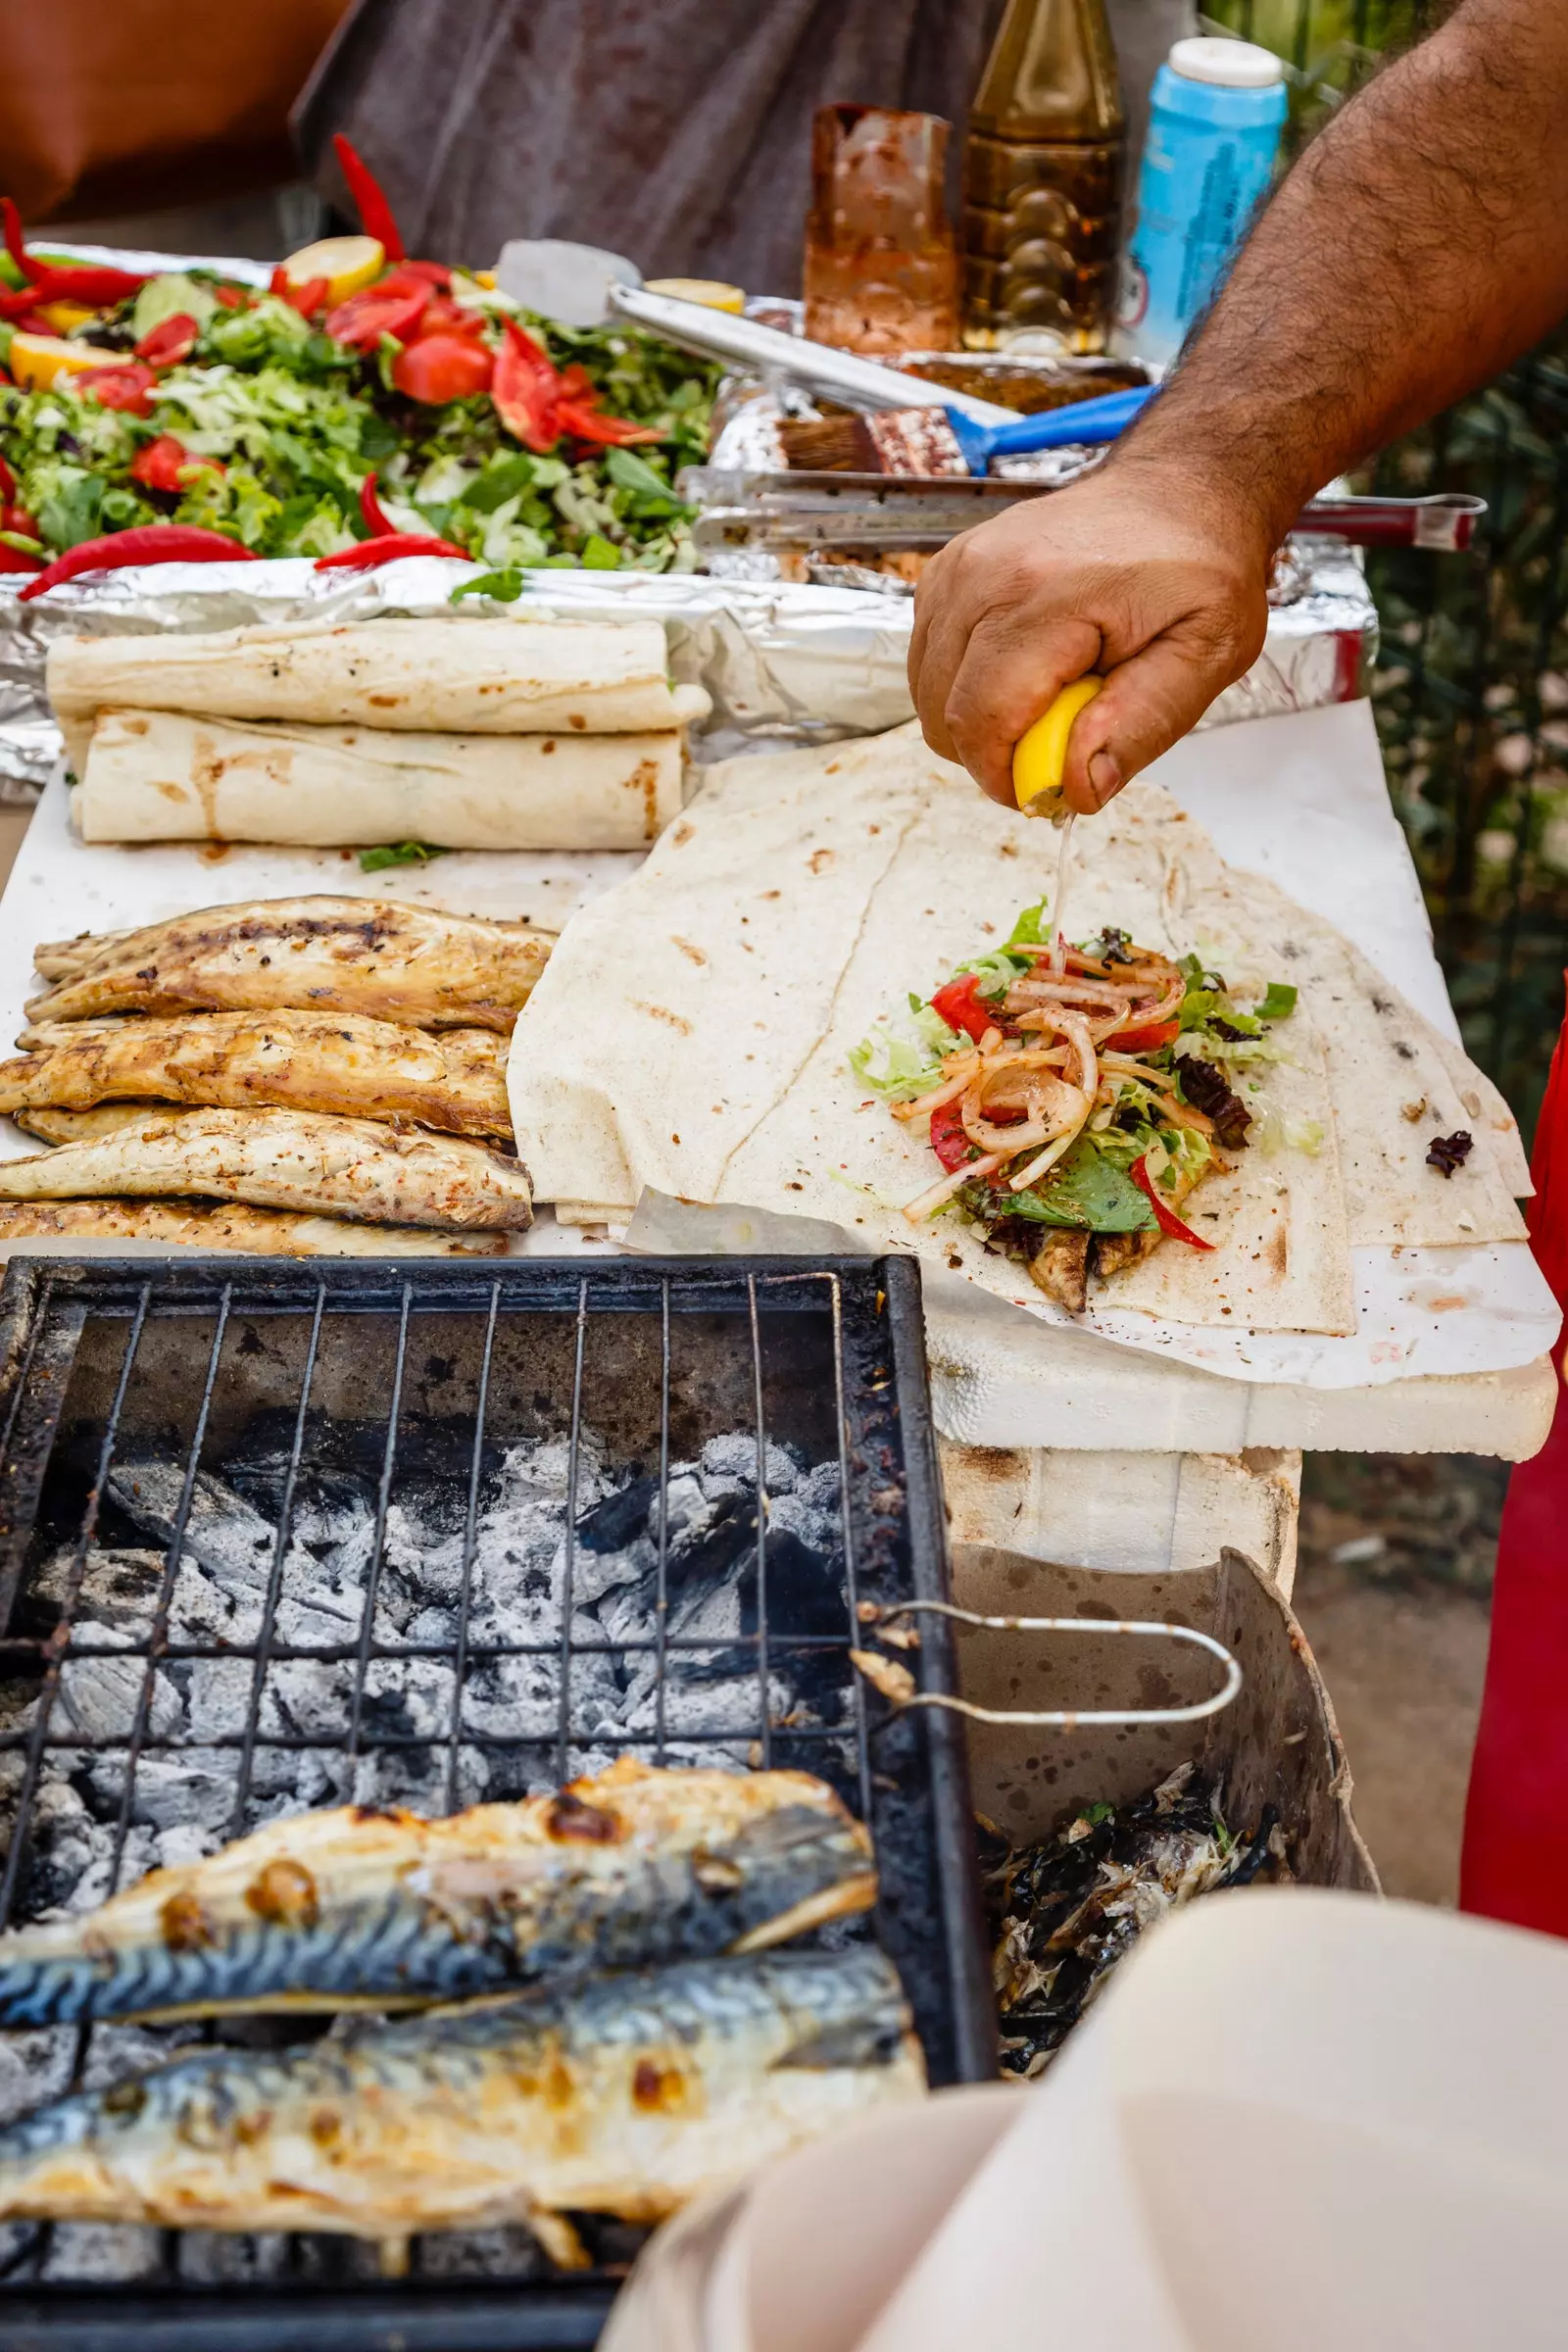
x: 400, y: 1450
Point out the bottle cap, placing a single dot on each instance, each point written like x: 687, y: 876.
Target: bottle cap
x: 1233, y: 65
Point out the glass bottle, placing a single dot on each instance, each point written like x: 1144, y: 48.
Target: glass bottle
x: 881, y: 258
x: 1042, y: 182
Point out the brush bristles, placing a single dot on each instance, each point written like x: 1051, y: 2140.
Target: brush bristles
x: 903, y: 441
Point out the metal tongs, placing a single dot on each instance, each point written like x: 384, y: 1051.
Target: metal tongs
x: 896, y: 1683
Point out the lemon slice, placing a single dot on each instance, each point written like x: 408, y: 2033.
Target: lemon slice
x: 710, y: 292
x: 1040, y: 756
x: 37, y: 360
x: 348, y: 265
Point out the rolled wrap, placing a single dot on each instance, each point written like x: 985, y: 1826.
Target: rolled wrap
x: 465, y: 677
x: 159, y: 775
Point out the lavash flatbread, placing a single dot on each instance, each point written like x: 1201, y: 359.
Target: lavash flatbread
x: 794, y: 904
x: 160, y: 775
x: 453, y: 673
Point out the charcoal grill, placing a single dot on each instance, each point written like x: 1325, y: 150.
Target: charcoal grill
x: 134, y: 1392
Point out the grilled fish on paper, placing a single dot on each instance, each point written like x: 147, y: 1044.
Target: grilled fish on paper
x: 90, y: 1126
x: 296, y: 1159
x: 219, y: 1225
x: 621, y: 2094
x: 328, y: 1909
x: 454, y: 1079
x: 379, y: 957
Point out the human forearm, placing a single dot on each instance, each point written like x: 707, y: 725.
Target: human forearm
x: 1420, y: 244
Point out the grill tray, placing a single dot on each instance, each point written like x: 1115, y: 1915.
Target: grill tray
x: 417, y: 1391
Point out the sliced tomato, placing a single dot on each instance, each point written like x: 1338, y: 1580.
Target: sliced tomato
x: 1166, y: 1217
x: 962, y: 1006
x: 160, y: 464
x: 130, y: 387
x: 16, y: 518
x: 441, y: 368
x: 170, y: 341
x: 1146, y: 1040
x: 231, y: 298
x: 527, y: 391
x: 444, y: 317
x: 365, y: 317
x: 948, y: 1139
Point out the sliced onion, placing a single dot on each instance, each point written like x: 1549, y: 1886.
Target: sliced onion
x: 1048, y: 1158
x: 937, y: 1196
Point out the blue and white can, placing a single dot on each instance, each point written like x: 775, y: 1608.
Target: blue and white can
x: 1215, y: 117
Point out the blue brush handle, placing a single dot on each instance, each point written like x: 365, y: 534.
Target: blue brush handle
x: 1087, y: 421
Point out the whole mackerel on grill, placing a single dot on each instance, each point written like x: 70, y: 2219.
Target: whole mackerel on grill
x: 621, y: 2094
x: 387, y: 1909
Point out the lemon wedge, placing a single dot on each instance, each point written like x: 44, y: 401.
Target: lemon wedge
x: 348, y: 265
x: 710, y: 292
x: 1040, y: 756
x: 37, y: 360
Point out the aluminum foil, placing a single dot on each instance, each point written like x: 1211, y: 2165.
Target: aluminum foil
x: 782, y: 661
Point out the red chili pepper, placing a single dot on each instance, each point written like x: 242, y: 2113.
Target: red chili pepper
x: 170, y: 341
x: 1146, y: 1040
x: 148, y: 543
x: 948, y: 1139
x: 130, y: 387
x: 97, y: 288
x: 607, y: 432
x: 231, y: 298
x: 15, y: 246
x: 365, y: 317
x: 369, y: 552
x: 441, y: 368
x: 1165, y: 1218
x: 8, y: 483
x: 961, y: 1005
x: 11, y: 559
x: 527, y: 391
x: 371, y: 508
x: 369, y: 198
x: 160, y: 463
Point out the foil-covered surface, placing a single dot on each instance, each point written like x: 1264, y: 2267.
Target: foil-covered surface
x: 783, y: 661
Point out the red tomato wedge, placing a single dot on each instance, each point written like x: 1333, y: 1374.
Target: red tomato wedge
x: 962, y: 1006
x: 440, y: 367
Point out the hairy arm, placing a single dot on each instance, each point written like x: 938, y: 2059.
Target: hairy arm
x: 1419, y: 245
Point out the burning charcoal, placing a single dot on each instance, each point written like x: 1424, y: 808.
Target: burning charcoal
x: 34, y: 2066
x: 309, y: 1698
x: 114, y: 1602
x: 1446, y: 1153
x: 729, y: 1466
x: 216, y: 1692
x: 481, y: 2254
x: 416, y: 1776
x: 222, y: 1534
x: 285, y: 1781
x: 408, y: 1698
x: 94, y: 2253
x: 514, y: 1697
x: 99, y: 1698
x: 193, y: 1788
x: 220, y: 2256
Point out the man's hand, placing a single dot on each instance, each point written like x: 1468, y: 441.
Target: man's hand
x: 1159, y: 584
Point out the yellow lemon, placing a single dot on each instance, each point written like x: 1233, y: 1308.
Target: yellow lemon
x: 348, y: 265
x: 710, y: 292
x: 1040, y: 756
x: 37, y: 360
x: 66, y: 317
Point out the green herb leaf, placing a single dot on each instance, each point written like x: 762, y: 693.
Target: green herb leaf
x: 1086, y: 1189
x: 396, y: 853
x: 1026, y: 932
x: 1278, y: 1003
x: 600, y: 554
x: 505, y: 586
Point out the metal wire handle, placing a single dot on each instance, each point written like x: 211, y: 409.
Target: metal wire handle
x: 1152, y: 1628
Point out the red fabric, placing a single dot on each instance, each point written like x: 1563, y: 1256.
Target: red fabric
x: 1515, y: 1861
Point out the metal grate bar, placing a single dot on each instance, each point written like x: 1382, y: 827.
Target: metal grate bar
x: 569, y: 1570
x: 383, y: 1495
x: 662, y: 1589
x: 470, y: 1540
x: 764, y: 1682
x: 39, y: 1735
x: 274, y: 1579
x: 852, y: 1589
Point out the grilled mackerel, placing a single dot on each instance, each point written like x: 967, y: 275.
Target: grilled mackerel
x: 454, y: 1079
x: 621, y: 2094
x: 329, y: 1909
x: 258, y: 1231
x: 392, y: 962
x: 294, y: 1159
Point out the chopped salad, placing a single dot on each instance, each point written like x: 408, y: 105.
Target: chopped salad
x: 364, y: 397
x: 1076, y: 1095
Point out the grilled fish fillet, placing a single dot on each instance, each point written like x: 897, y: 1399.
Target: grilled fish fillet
x: 262, y: 1232
x: 298, y: 1160
x: 452, y: 1078
x: 374, y: 956
x: 87, y: 1126
x: 621, y: 2094
x: 329, y: 1909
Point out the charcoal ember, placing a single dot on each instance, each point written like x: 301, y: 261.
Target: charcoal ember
x: 34, y: 2066
x: 95, y: 2253
x: 408, y: 1699
x: 222, y: 1532
x: 729, y: 1466
x: 112, y: 1606
x: 481, y: 2254
x: 193, y: 1788
x: 216, y: 1692
x: 285, y: 1781
x: 306, y: 1698
x: 222, y: 2257
x: 100, y: 1698
x: 514, y: 1698
x: 414, y: 1777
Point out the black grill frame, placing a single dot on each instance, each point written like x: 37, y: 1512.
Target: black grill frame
x: 910, y: 1770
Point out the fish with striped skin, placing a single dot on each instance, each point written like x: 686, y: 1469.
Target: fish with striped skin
x: 386, y: 1909
x: 620, y: 2095
x: 216, y: 1224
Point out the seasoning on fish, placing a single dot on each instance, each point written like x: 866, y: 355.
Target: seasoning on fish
x: 621, y: 2094
x: 453, y: 1080
x: 294, y: 1159
x: 327, y: 1909
x: 225, y: 1225
x: 392, y: 960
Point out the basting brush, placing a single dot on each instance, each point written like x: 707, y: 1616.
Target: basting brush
x: 934, y: 442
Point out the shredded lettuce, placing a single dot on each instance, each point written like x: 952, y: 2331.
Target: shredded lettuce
x: 901, y: 1066
x: 1028, y: 931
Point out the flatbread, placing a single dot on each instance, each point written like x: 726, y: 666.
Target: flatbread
x: 793, y: 904
x: 454, y: 674
x: 160, y: 775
